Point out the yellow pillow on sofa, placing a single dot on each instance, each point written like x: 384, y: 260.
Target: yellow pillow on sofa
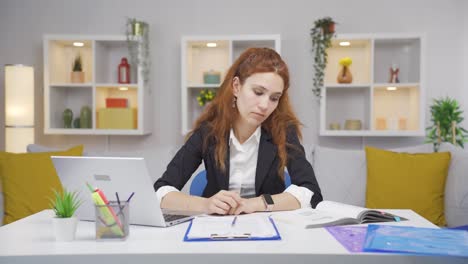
x: 407, y: 181
x: 28, y: 180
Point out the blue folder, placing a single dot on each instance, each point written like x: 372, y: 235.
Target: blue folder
x: 416, y: 240
x: 245, y: 237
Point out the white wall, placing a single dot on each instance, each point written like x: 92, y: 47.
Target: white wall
x: 464, y: 87
x: 23, y: 22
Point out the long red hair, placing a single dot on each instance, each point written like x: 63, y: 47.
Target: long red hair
x: 219, y: 115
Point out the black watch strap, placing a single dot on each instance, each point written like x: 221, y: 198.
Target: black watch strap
x: 269, y: 203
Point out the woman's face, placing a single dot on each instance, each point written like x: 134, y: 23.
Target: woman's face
x: 258, y: 97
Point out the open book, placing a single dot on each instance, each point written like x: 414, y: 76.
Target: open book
x: 329, y: 213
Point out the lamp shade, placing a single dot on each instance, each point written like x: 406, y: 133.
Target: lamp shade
x: 19, y: 95
x: 19, y: 107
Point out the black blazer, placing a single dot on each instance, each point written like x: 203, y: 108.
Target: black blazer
x: 189, y: 158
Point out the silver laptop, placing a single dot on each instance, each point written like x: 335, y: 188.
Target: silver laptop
x: 111, y: 175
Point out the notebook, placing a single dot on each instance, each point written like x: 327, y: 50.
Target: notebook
x: 111, y: 175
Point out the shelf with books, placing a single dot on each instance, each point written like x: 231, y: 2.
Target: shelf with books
x: 101, y: 56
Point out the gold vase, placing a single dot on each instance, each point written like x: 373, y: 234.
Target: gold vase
x: 345, y: 76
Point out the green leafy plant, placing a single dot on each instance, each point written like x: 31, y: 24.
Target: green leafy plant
x: 65, y: 203
x: 205, y: 96
x: 77, y: 64
x: 322, y: 33
x: 446, y: 119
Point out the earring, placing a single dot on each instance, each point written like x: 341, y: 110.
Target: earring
x: 234, y: 101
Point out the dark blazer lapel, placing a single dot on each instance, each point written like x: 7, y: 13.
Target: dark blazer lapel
x: 266, y: 154
x: 221, y: 177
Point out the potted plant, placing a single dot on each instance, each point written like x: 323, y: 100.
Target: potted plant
x: 65, y: 204
x: 446, y: 117
x: 322, y: 33
x: 137, y: 33
x: 77, y: 74
x: 205, y: 96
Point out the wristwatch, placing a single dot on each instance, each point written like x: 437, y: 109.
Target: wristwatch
x: 268, y: 201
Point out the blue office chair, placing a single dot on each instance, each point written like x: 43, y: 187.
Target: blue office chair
x: 199, y: 183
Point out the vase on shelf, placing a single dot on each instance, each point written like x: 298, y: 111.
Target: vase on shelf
x: 67, y: 118
x: 344, y: 76
x: 85, y: 117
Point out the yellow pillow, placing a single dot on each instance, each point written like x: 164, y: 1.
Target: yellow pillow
x: 28, y: 180
x: 407, y: 181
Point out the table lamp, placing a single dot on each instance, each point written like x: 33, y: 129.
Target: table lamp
x: 19, y: 107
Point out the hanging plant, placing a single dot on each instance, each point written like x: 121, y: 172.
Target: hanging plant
x: 137, y: 33
x: 322, y: 33
x: 446, y: 117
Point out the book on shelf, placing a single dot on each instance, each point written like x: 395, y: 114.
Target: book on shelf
x: 329, y: 213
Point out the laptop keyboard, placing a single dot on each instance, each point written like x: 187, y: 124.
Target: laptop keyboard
x: 172, y: 217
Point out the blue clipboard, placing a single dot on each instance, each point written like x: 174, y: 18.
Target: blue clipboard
x: 245, y: 237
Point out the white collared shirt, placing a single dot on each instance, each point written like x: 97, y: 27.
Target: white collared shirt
x: 242, y: 170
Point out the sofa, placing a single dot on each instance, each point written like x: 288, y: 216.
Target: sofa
x: 342, y: 176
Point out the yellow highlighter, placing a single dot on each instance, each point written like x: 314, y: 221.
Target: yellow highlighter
x: 109, y: 217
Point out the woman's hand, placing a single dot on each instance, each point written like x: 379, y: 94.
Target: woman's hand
x: 248, y: 206
x: 222, y: 202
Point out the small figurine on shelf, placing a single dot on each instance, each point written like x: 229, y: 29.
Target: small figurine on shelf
x: 394, y: 70
x: 124, y: 71
x: 77, y: 74
x: 345, y: 76
x: 205, y: 96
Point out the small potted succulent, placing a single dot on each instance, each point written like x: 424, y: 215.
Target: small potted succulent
x: 77, y: 74
x: 446, y: 117
x: 65, y: 204
x: 322, y: 33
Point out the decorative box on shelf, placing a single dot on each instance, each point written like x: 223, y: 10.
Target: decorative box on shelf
x: 117, y: 118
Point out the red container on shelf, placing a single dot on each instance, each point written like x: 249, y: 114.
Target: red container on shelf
x: 124, y: 71
x: 116, y: 102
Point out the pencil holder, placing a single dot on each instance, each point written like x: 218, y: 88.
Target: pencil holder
x: 112, y: 221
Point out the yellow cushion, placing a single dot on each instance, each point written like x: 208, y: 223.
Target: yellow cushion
x: 28, y: 180
x: 407, y: 181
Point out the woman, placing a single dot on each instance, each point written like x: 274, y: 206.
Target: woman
x: 246, y: 138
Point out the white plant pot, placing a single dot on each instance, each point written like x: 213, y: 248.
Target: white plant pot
x: 64, y: 228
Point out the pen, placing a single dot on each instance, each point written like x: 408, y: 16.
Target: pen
x: 234, y: 221
x: 131, y: 195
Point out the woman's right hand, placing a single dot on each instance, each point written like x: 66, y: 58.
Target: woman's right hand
x: 222, y: 202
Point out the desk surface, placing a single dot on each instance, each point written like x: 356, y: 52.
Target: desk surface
x: 31, y: 240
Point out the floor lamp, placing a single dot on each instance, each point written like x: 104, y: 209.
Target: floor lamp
x: 19, y: 107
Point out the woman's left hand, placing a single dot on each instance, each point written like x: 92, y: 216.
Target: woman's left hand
x: 248, y: 206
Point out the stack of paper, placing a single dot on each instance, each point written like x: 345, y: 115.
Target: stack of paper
x: 245, y: 227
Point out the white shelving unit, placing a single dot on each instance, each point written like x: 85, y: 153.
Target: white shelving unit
x: 101, y: 56
x: 197, y: 58
x: 383, y: 108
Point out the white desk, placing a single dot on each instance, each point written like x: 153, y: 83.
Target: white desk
x: 31, y: 240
